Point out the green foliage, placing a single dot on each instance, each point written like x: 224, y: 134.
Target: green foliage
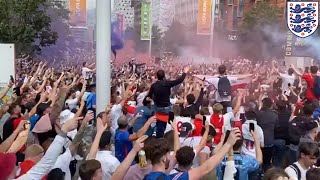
x: 261, y: 15
x: 27, y: 24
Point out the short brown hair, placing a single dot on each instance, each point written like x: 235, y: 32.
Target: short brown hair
x: 33, y: 150
x: 159, y: 149
x: 217, y: 108
x: 275, y: 173
x: 313, y: 173
x: 88, y: 168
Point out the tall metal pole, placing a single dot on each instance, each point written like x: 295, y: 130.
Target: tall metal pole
x: 103, y: 61
x: 150, y: 41
x: 213, y: 7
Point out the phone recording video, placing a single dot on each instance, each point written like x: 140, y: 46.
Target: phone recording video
x: 251, y: 127
x: 11, y: 79
x: 171, y: 117
x: 226, y: 136
x: 204, y: 120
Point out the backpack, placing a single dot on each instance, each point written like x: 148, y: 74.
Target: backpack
x: 296, y: 129
x: 297, y: 170
x: 224, y: 87
x: 316, y: 88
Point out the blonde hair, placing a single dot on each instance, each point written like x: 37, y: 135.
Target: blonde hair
x: 217, y: 108
x: 33, y: 150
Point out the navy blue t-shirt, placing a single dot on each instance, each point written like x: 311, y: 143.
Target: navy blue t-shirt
x: 122, y: 144
x: 164, y: 176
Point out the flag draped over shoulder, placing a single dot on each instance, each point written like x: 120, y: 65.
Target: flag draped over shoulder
x: 238, y: 84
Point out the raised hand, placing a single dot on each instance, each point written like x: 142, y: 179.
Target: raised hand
x: 100, y: 127
x: 71, y: 124
x: 234, y: 136
x: 139, y: 143
x: 89, y: 116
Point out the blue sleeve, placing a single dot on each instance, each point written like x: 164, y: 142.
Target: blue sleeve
x: 124, y: 136
x: 219, y: 172
x: 316, y: 115
x: 250, y: 164
x: 94, y: 100
x: 179, y: 176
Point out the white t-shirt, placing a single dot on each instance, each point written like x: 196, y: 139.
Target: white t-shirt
x: 248, y: 146
x: 292, y: 173
x: 85, y: 72
x: 72, y: 103
x: 215, y: 82
x: 109, y: 163
x: 194, y: 142
x: 286, y: 79
x: 116, y: 112
x: 227, y: 119
x: 141, y: 97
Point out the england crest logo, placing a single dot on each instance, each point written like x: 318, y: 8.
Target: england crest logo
x: 302, y: 18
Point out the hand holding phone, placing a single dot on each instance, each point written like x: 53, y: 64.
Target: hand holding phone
x: 171, y: 117
x: 251, y: 127
x: 11, y: 79
x: 226, y: 136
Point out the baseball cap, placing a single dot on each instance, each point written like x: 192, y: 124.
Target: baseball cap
x: 186, y: 128
x: 56, y: 174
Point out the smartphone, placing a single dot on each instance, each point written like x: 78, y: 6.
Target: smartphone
x: 251, y: 127
x: 17, y: 91
x: 11, y: 79
x: 226, y: 136
x: 204, y: 120
x: 171, y: 117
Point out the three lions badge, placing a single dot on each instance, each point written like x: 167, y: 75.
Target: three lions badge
x: 302, y: 18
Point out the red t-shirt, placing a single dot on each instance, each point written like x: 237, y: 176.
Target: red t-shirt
x: 217, y: 121
x: 310, y: 85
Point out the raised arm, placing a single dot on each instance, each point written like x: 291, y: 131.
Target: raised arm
x: 296, y: 71
x: 203, y: 140
x: 4, y: 147
x: 122, y: 170
x: 21, y: 139
x: 95, y: 145
x: 6, y: 89
x: 180, y: 79
x: 143, y: 130
x: 215, y: 160
x: 257, y: 145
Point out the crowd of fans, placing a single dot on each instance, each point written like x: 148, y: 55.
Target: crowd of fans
x: 162, y: 122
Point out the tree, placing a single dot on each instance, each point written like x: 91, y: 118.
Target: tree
x: 259, y: 29
x: 26, y: 24
x: 261, y: 15
x: 66, y: 43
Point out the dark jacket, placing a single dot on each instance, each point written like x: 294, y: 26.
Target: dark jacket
x: 267, y: 120
x: 160, y: 91
x: 192, y: 109
x: 281, y: 129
